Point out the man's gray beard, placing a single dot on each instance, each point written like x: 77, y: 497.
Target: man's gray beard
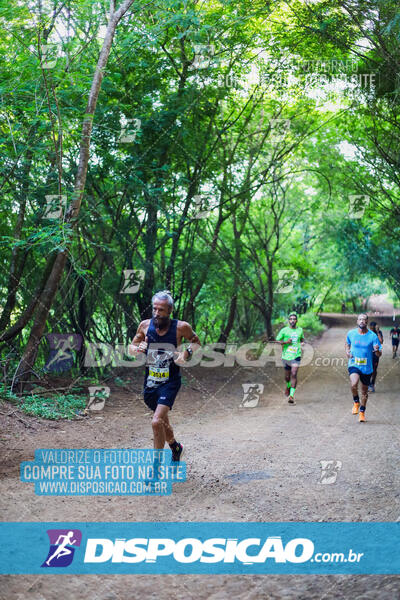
x: 161, y: 323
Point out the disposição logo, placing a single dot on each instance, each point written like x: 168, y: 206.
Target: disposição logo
x: 63, y: 543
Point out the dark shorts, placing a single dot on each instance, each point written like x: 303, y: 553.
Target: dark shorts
x: 365, y: 379
x: 375, y: 360
x: 288, y: 363
x: 164, y: 394
x: 395, y: 342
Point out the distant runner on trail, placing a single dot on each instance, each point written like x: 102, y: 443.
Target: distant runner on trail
x: 395, y: 333
x: 159, y: 339
x: 291, y: 339
x: 375, y: 359
x: 361, y: 344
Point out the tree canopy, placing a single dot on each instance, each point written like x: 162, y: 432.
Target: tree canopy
x: 244, y: 155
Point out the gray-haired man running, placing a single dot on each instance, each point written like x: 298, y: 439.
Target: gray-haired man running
x: 159, y: 338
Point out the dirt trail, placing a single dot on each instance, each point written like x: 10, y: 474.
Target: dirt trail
x: 243, y: 464
x: 379, y: 303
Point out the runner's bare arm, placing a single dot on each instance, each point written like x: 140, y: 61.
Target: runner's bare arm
x: 186, y: 332
x: 347, y: 349
x: 139, y: 342
x: 377, y: 351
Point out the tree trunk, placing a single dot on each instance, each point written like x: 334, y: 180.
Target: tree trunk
x: 24, y: 370
x: 324, y: 298
x: 178, y: 233
x: 150, y: 241
x: 18, y: 256
x: 22, y: 321
x: 268, y: 325
x: 267, y: 316
x: 223, y: 338
x: 25, y: 367
x: 201, y: 278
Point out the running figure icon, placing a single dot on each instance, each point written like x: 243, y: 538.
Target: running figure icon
x: 62, y: 549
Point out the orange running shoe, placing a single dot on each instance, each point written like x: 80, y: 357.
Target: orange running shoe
x: 361, y: 417
x: 356, y: 408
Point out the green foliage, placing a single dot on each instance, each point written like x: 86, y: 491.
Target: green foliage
x: 63, y: 406
x: 311, y: 323
x: 59, y: 406
x: 205, y: 131
x: 7, y: 394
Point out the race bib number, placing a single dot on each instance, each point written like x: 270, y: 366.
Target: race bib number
x: 292, y: 350
x: 360, y: 361
x: 158, y: 375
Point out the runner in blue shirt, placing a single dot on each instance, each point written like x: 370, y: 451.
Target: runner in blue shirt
x: 361, y: 344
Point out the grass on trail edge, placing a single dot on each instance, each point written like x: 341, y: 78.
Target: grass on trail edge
x: 61, y: 406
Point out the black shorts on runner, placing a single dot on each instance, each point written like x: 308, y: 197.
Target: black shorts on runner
x: 365, y: 379
x: 288, y: 363
x: 375, y: 359
x: 395, y: 343
x: 164, y: 394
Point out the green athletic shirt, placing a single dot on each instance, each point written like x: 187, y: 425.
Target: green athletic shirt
x: 293, y: 350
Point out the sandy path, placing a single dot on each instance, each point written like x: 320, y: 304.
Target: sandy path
x: 280, y: 444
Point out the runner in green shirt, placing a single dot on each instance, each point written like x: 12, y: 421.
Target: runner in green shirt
x: 291, y: 338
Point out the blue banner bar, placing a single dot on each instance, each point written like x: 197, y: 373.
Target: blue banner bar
x: 245, y: 548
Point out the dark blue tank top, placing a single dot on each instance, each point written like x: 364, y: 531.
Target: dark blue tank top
x: 161, y: 367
